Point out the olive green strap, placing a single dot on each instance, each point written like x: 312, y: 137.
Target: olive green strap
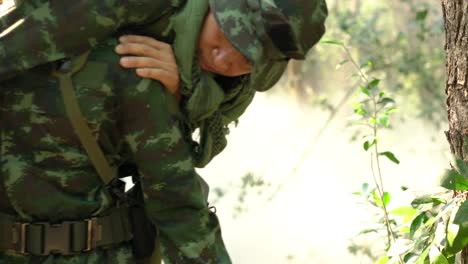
x: 78, y: 122
x: 156, y: 258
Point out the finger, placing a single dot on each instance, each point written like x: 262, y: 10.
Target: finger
x: 143, y: 50
x: 145, y: 62
x: 145, y: 40
x: 155, y: 74
x: 168, y: 79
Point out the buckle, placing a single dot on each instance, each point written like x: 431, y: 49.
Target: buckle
x: 42, y: 238
x: 93, y: 234
x: 19, y: 237
x: 56, y: 238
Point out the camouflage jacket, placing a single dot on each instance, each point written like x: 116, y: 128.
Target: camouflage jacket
x: 46, y: 175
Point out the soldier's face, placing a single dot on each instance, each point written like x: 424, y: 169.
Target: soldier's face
x: 216, y: 54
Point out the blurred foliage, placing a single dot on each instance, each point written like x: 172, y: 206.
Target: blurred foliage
x: 396, y: 47
x: 432, y: 229
x: 248, y: 185
x: 404, y: 40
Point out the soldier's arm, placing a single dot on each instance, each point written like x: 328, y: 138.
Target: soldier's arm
x: 59, y: 29
x: 174, y: 196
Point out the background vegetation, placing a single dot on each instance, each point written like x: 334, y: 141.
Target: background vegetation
x: 379, y: 71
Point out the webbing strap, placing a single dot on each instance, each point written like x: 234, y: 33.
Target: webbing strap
x: 95, y: 154
x: 65, y: 238
x: 105, y: 171
x: 156, y: 258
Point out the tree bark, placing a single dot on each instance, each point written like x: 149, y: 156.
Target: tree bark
x: 456, y: 48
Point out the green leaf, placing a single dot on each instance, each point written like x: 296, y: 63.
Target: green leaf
x: 451, y: 233
x: 390, y: 156
x: 421, y: 200
x: 421, y: 259
x: 452, y: 180
x: 368, y: 144
x: 386, y: 198
x: 437, y: 201
x: 421, y: 15
x: 365, y: 91
x: 451, y: 259
x: 383, y: 120
x: 459, y: 240
x: 356, y: 104
x: 374, y: 83
x: 367, y: 64
x: 462, y: 167
x: 391, y: 110
x: 377, y: 199
x: 407, y: 212
x: 404, y: 230
x: 365, y: 188
x: 332, y: 42
x: 386, y: 100
x: 420, y: 220
x: 367, y: 231
x: 410, y: 256
x: 383, y: 260
x: 359, y: 109
x: 462, y: 215
x: 437, y: 257
x: 427, y: 200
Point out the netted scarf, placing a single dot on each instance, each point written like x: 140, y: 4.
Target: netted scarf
x: 206, y: 105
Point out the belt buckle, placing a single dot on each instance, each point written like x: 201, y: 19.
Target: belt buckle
x: 19, y: 237
x: 57, y: 238
x: 92, y: 234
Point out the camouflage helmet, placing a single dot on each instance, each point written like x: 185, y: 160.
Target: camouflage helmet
x: 266, y: 31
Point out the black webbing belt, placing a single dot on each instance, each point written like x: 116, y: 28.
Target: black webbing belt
x: 66, y: 238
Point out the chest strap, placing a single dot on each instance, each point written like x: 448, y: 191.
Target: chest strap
x: 64, y: 73
x: 66, y: 238
x: 107, y: 173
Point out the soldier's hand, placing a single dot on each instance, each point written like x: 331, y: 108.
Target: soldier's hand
x: 151, y: 58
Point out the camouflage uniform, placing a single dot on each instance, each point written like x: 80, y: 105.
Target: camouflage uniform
x: 45, y: 173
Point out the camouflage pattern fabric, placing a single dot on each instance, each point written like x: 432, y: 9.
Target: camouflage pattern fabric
x: 40, y: 156
x: 270, y: 31
x: 47, y: 176
x: 50, y: 30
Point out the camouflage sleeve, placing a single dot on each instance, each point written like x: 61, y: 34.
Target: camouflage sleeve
x: 58, y: 29
x: 173, y: 191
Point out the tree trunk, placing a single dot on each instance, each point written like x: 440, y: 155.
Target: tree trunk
x: 456, y: 48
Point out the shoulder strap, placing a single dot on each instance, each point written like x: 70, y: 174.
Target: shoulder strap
x: 95, y: 154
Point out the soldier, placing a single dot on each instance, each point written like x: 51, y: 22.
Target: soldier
x: 54, y: 207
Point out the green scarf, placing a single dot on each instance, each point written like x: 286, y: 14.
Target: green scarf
x: 206, y: 105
